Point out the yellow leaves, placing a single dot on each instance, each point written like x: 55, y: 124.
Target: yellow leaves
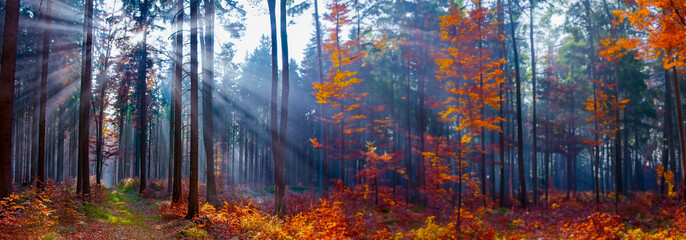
x: 466, y: 139
x: 554, y: 206
x: 517, y: 222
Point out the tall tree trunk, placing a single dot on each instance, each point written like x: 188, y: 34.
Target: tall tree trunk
x: 520, y: 141
x: 193, y: 183
x: 60, y: 143
x: 208, y: 113
x: 279, y: 190
x: 84, y: 113
x: 142, y: 99
x: 176, y: 104
x: 680, y: 127
x: 534, y: 157
x: 273, y: 112
x: 322, y: 128
x: 44, y: 94
x: 8, y: 62
x: 668, y: 153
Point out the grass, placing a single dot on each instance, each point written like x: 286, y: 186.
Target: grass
x: 93, y: 211
x: 193, y: 232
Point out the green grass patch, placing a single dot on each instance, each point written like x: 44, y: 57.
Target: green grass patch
x: 93, y: 211
x: 115, y: 196
x: 194, y: 232
x: 269, y: 190
x: 50, y: 236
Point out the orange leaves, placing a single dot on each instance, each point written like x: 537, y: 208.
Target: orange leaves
x: 315, y: 143
x: 596, y: 226
x: 662, y: 30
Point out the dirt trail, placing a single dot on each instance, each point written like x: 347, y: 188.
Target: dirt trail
x: 123, y: 215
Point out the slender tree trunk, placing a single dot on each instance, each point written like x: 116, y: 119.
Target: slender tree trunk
x: 322, y: 128
x: 208, y: 113
x: 534, y: 157
x: 279, y: 190
x: 520, y: 141
x: 142, y: 99
x: 176, y: 104
x: 60, y: 143
x: 44, y: 94
x: 84, y: 114
x: 680, y: 126
x: 193, y: 183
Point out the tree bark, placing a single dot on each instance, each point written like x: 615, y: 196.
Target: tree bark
x: 84, y: 113
x: 208, y: 81
x: 193, y: 182
x: 279, y: 188
x: 142, y: 99
x: 680, y: 126
x: 176, y: 101
x: 43, y: 94
x: 520, y: 141
x: 8, y: 62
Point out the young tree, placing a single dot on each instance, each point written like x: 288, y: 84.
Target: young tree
x: 472, y: 79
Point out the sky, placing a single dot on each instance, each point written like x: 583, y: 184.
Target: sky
x: 257, y: 24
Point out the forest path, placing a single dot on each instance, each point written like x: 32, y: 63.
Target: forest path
x: 123, y: 214
x: 128, y: 216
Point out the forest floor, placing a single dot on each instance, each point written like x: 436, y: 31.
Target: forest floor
x: 122, y: 213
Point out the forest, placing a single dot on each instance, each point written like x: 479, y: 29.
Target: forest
x: 342, y: 119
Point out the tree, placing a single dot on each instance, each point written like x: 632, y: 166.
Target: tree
x: 208, y: 113
x: 472, y: 80
x: 193, y: 182
x: 83, y: 186
x: 279, y: 190
x: 176, y: 100
x: 534, y: 158
x: 141, y: 91
x: 8, y: 63
x: 663, y: 29
x: 520, y: 139
x: 43, y: 94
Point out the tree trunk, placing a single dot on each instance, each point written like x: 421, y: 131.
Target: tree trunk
x: 43, y: 95
x: 208, y: 81
x: 142, y: 99
x: 680, y: 126
x: 176, y: 104
x: 534, y: 157
x: 193, y: 182
x: 84, y: 113
x: 8, y: 62
x: 279, y: 190
x: 520, y: 141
